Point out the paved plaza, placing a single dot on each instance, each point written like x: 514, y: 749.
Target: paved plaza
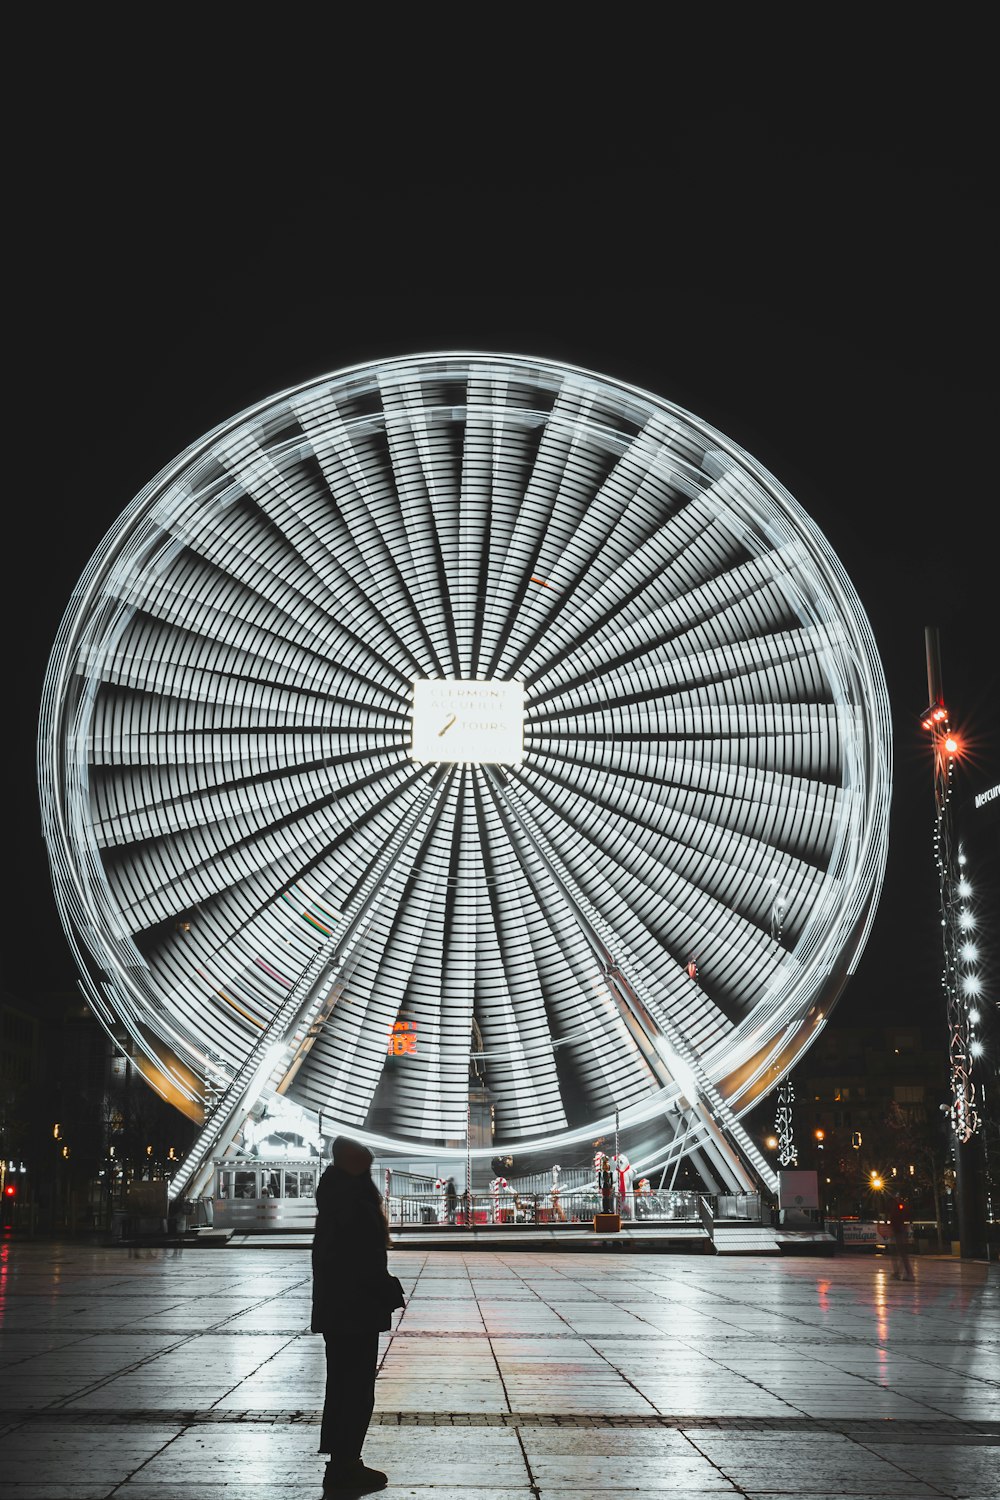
x: 184, y: 1374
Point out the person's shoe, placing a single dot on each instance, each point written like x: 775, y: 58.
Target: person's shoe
x: 354, y: 1479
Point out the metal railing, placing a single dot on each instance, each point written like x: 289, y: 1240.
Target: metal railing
x: 576, y: 1206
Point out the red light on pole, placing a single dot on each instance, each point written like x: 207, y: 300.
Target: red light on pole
x: 9, y: 1190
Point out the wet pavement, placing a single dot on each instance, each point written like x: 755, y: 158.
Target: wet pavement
x: 183, y: 1374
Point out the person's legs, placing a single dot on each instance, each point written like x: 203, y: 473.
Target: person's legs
x: 905, y: 1265
x: 902, y: 1267
x: 351, y: 1366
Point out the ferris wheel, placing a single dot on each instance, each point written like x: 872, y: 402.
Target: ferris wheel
x: 468, y: 717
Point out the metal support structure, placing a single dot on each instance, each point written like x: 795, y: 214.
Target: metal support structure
x: 956, y: 921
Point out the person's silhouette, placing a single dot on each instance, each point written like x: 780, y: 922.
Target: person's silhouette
x: 353, y: 1300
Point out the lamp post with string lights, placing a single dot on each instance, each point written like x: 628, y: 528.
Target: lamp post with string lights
x: 957, y: 924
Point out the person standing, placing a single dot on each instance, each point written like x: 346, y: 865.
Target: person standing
x: 353, y: 1298
x: 899, y: 1228
x: 450, y: 1200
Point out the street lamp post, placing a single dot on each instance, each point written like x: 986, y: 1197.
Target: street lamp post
x: 956, y: 918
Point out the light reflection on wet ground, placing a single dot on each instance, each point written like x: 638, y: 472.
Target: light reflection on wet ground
x: 191, y: 1373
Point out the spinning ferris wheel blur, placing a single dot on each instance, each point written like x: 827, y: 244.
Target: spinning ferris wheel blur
x: 468, y: 715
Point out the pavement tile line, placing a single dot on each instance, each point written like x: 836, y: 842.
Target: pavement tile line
x: 899, y: 1344
x: 187, y: 1336
x: 881, y: 1429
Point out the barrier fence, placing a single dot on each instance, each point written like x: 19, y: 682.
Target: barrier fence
x: 573, y: 1207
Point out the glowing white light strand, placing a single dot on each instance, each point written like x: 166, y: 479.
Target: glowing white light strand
x: 784, y: 1125
x: 958, y: 979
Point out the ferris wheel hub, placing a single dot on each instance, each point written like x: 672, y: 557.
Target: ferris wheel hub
x: 478, y: 722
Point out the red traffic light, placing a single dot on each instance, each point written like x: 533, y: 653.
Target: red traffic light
x: 9, y: 1190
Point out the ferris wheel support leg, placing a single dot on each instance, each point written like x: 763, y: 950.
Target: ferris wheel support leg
x: 720, y: 1164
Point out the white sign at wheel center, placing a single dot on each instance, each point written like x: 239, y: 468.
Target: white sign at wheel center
x: 478, y: 723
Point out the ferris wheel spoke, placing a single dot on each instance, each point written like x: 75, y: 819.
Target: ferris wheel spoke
x: 241, y: 543
x: 401, y: 949
x: 622, y: 510
x: 801, y: 739
x: 372, y: 535
x: 161, y: 879
x: 517, y: 581
x: 501, y: 441
x: 676, y: 871
x: 670, y: 555
x: 599, y: 1060
x: 427, y: 476
x: 284, y: 492
x: 606, y: 519
x: 153, y: 776
x: 430, y: 1084
x: 484, y: 504
x: 185, y: 670
x: 733, y: 609
x: 794, y: 816
x: 660, y: 918
x: 134, y: 808
x: 229, y: 597
x: 581, y: 1004
x: 774, y: 671
x: 516, y: 1003
x: 344, y: 1056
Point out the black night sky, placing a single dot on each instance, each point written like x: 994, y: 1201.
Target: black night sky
x: 810, y: 269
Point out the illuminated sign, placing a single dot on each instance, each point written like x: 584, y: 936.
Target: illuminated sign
x: 982, y: 798
x: 402, y: 1039
x: 479, y: 723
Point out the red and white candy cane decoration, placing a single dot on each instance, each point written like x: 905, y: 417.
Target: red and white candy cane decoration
x: 497, y: 1185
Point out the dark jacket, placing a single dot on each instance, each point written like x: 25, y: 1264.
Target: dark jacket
x: 352, y: 1287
